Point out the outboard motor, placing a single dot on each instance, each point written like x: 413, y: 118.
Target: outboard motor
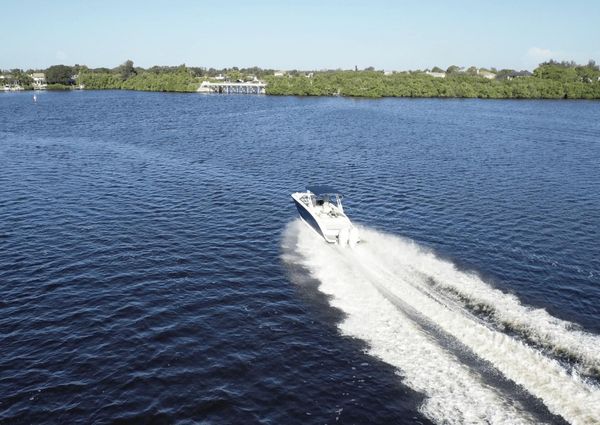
x: 353, y: 237
x: 344, y: 236
x: 348, y: 236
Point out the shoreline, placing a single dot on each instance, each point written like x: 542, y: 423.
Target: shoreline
x: 550, y: 80
x: 76, y: 89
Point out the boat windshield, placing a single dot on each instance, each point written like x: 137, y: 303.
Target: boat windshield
x: 334, y: 198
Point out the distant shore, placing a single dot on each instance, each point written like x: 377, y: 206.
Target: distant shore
x: 421, y: 85
x: 550, y: 80
x: 401, y: 87
x: 370, y: 84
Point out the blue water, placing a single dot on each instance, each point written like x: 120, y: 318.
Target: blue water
x: 145, y: 278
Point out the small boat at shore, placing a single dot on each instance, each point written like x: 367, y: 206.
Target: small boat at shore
x: 320, y: 207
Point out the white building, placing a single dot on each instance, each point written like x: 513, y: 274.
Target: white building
x: 436, y: 74
x: 204, y: 87
x: 39, y: 80
x: 486, y: 74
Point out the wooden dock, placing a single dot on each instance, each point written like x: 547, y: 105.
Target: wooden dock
x: 248, y: 87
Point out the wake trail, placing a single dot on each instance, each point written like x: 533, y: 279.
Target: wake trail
x: 383, y: 288
x: 561, y: 337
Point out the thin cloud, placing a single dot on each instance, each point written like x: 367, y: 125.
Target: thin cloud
x: 537, y: 55
x: 540, y: 54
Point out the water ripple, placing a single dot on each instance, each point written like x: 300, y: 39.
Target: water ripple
x: 140, y: 243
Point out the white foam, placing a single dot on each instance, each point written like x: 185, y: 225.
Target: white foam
x: 357, y: 281
x: 409, y: 259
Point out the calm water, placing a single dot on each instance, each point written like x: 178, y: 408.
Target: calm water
x: 152, y: 269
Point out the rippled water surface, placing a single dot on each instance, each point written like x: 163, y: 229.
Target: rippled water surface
x: 153, y: 270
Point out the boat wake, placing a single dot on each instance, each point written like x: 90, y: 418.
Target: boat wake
x: 478, y: 354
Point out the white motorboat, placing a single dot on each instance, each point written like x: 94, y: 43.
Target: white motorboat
x: 321, y: 208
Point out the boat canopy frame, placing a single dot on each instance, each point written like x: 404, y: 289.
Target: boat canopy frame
x: 323, y: 190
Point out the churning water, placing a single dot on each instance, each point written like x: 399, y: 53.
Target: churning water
x: 153, y: 270
x: 406, y: 304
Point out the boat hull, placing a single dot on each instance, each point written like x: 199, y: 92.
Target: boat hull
x: 308, y: 218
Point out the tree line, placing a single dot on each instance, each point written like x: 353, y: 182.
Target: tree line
x: 550, y: 80
x: 373, y: 84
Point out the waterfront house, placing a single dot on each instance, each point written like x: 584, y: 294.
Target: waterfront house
x: 10, y: 83
x: 39, y: 80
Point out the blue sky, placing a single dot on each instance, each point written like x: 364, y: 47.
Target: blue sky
x: 309, y: 34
